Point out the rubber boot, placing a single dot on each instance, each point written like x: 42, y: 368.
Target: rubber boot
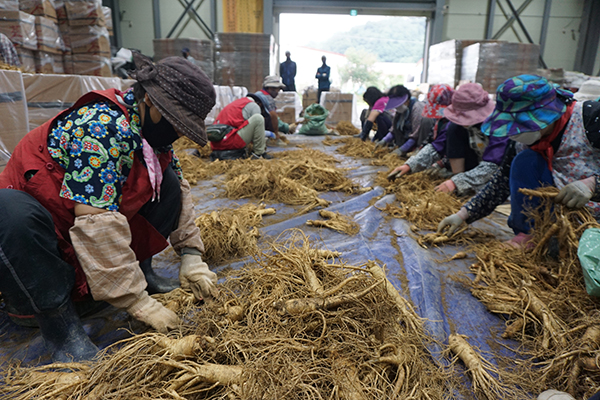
x: 64, y: 336
x: 156, y: 283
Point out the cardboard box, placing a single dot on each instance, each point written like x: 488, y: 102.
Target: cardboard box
x: 14, y: 123
x: 97, y: 64
x: 84, y: 12
x: 20, y: 28
x: 244, y: 59
x: 309, y: 97
x: 108, y: 19
x: 44, y: 62
x: 340, y: 106
x: 49, y: 38
x: 289, y: 101
x: 68, y: 63
x: 445, y: 61
x: 61, y: 11
x: 9, y: 5
x: 41, y: 8
x: 492, y: 63
x: 202, y: 51
x: 48, y: 95
x: 89, y: 39
x: 27, y: 59
x: 287, y: 115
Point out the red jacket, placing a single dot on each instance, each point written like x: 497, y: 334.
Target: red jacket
x: 232, y: 115
x: 32, y: 154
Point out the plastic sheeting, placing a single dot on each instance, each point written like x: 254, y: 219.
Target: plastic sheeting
x: 417, y: 273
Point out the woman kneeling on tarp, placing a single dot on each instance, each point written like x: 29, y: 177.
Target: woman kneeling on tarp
x: 473, y: 157
x: 559, y: 140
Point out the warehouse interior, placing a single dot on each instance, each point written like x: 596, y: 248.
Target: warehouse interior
x: 338, y: 276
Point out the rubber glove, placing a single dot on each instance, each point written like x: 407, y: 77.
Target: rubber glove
x: 194, y: 274
x: 576, y: 194
x: 453, y: 222
x: 408, y: 145
x: 152, y: 313
x: 269, y: 135
x: 398, y: 171
x: 446, y: 187
x: 388, y: 138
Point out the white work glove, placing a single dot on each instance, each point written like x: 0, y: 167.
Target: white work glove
x: 152, y: 313
x: 194, y: 274
x: 453, y: 222
x: 576, y: 194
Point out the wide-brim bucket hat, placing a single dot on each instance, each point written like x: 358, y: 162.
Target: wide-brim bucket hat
x: 525, y: 103
x: 470, y: 105
x: 273, y: 81
x: 180, y: 90
x: 589, y: 90
x: 438, y: 98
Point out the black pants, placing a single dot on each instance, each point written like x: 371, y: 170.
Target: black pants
x: 33, y: 276
x: 384, y: 123
x: 319, y: 94
x: 457, y: 146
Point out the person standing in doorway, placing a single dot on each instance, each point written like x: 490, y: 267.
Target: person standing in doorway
x: 287, y: 71
x: 323, y: 77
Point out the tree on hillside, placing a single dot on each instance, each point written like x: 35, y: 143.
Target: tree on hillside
x: 394, y: 39
x: 358, y: 70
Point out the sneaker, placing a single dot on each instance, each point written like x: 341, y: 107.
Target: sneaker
x: 264, y: 155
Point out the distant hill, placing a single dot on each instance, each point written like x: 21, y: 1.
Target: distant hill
x: 394, y: 39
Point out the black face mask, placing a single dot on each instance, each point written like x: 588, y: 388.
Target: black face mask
x: 158, y: 134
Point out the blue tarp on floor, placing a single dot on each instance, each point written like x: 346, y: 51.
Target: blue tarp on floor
x: 416, y: 272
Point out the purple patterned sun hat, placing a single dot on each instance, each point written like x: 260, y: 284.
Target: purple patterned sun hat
x: 525, y: 103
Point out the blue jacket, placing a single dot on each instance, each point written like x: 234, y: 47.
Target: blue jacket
x: 287, y: 71
x: 323, y: 79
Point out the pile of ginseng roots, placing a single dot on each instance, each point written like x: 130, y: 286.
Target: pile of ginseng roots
x: 419, y: 204
x: 540, y: 292
x: 292, y: 177
x: 296, y: 324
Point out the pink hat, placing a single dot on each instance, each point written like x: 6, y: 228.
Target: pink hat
x: 470, y: 105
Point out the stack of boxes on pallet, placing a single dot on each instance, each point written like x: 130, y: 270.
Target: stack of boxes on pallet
x: 244, y: 59
x: 489, y: 62
x: 202, y: 52
x: 59, y: 37
x: 83, y: 22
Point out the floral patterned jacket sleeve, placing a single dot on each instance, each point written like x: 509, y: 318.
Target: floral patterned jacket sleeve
x: 423, y: 159
x: 495, y: 192
x: 96, y: 145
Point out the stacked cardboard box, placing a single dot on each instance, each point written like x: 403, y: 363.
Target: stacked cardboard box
x: 108, y: 20
x: 492, y: 63
x: 340, y: 106
x: 244, y: 59
x: 445, y: 61
x: 48, y: 95
x: 39, y: 8
x: 19, y: 27
x: 9, y: 5
x: 88, y: 43
x: 309, y: 96
x: 202, y: 51
x: 48, y: 57
x: 14, y: 123
x: 289, y: 106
